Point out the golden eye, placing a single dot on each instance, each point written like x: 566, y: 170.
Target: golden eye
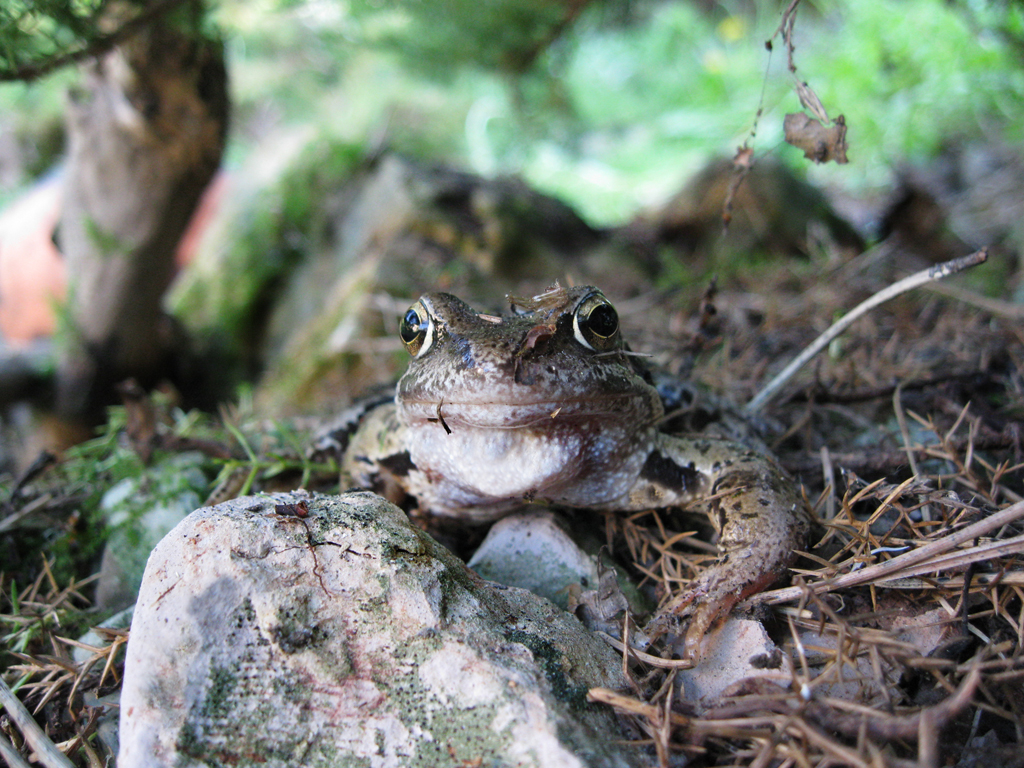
x: 596, y: 323
x: 417, y: 330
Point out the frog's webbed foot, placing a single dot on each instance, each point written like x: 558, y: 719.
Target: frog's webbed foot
x: 691, y: 615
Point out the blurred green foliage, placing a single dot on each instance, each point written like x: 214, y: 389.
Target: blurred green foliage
x: 34, y: 31
x: 613, y: 107
x: 911, y: 76
x: 501, y: 35
x: 39, y: 36
x: 611, y: 104
x: 282, y: 223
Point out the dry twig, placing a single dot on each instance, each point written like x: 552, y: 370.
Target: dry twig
x: 48, y: 754
x: 906, y: 284
x: 924, y: 558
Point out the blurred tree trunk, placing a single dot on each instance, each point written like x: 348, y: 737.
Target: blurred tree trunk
x: 145, y: 133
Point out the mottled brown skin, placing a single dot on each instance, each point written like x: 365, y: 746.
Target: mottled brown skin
x: 548, y: 405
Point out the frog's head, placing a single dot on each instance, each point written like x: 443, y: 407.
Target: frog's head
x: 559, y: 357
x: 544, y: 403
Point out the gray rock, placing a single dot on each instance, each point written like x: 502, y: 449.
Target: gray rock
x: 532, y: 550
x: 541, y: 551
x: 140, y: 511
x: 350, y: 638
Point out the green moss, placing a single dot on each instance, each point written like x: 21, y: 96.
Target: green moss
x: 551, y: 663
x: 78, y: 482
x: 222, y: 685
x: 223, y: 297
x: 189, y: 743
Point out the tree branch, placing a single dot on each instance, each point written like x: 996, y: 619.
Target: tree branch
x: 95, y: 47
x: 915, y: 280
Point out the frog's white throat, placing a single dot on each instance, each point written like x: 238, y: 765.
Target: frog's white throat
x: 575, y: 462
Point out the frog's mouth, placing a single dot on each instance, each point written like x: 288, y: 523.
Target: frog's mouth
x: 636, y: 408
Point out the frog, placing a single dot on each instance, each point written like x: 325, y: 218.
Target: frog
x: 547, y: 404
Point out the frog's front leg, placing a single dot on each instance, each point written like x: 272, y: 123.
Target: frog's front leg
x: 753, y: 506
x: 375, y: 455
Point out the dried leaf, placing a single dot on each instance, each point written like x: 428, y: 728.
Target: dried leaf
x: 599, y: 609
x: 552, y: 300
x: 819, y: 142
x: 809, y: 100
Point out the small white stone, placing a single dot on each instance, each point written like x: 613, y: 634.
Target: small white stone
x: 531, y: 550
x: 732, y: 653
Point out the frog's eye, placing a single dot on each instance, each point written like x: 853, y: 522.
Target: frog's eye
x: 417, y: 330
x: 596, y: 323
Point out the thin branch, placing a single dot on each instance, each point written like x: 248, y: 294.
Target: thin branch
x: 1005, y: 309
x: 894, y: 567
x: 915, y: 280
x: 646, y: 658
x: 819, y: 394
x: 97, y: 47
x: 46, y: 751
x: 958, y: 560
x: 11, y: 755
x: 634, y: 707
x: 879, y: 460
x: 785, y: 29
x: 889, y: 725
